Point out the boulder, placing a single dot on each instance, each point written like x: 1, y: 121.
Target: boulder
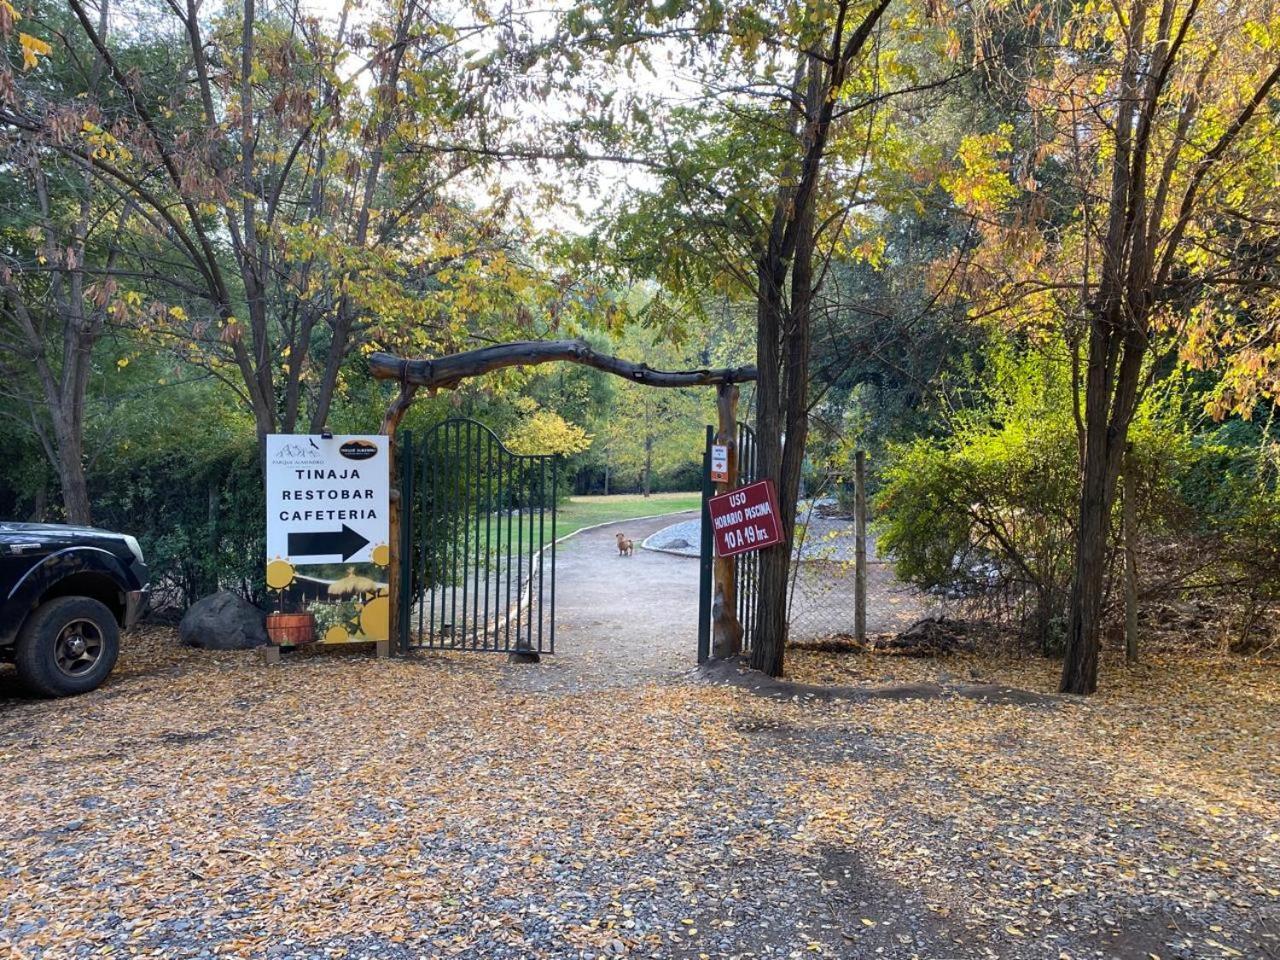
x: 223, y: 621
x: 523, y: 653
x: 677, y: 544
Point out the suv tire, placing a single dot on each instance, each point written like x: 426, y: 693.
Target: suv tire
x: 67, y: 646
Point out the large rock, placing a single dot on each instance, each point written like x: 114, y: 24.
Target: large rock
x: 223, y: 621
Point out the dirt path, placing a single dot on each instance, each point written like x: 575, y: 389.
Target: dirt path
x: 620, y: 621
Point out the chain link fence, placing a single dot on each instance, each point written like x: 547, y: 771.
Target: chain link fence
x: 823, y: 595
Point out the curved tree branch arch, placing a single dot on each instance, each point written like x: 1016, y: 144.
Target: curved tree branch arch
x: 445, y: 373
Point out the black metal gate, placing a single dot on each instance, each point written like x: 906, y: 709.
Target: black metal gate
x: 746, y: 565
x: 478, y: 542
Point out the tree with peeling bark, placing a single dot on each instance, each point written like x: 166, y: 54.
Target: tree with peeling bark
x: 1136, y: 220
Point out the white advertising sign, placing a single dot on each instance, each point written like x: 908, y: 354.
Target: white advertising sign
x: 327, y: 498
x: 719, y: 463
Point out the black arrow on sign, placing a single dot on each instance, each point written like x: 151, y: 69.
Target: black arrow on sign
x: 345, y: 542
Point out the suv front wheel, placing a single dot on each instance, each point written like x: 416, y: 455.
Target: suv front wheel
x: 67, y: 646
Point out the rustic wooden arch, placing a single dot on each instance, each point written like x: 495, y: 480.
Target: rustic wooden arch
x: 445, y: 373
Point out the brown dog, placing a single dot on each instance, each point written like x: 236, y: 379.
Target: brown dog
x: 625, y: 547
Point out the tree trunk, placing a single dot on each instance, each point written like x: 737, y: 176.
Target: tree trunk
x: 1111, y: 387
x: 75, y: 488
x: 39, y: 502
x: 780, y: 440
x: 1080, y: 664
x: 1130, y: 559
x: 782, y: 388
x: 332, y: 367
x: 771, y: 603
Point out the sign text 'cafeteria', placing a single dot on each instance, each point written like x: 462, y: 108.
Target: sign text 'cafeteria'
x: 745, y: 519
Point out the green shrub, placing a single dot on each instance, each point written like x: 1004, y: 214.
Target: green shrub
x: 200, y: 518
x: 1230, y: 486
x: 988, y: 513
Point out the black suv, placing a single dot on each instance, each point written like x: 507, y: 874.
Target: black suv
x: 65, y: 594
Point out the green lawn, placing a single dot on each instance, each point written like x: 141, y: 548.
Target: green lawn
x: 578, y: 512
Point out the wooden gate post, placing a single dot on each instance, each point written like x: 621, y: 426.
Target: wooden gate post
x: 705, y: 563
x: 390, y: 422
x: 726, y: 632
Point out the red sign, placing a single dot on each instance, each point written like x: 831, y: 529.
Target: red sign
x: 745, y: 519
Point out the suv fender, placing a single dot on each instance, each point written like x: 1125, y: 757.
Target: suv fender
x: 74, y: 571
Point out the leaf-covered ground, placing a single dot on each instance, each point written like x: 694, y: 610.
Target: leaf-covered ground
x: 202, y: 805
x: 606, y: 802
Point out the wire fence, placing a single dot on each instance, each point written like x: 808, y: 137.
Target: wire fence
x: 823, y: 597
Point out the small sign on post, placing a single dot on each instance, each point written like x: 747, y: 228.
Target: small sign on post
x: 719, y: 463
x: 745, y: 519
x: 328, y: 533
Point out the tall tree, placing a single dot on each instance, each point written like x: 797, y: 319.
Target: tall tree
x: 788, y: 258
x: 1139, y: 219
x: 283, y: 215
x: 769, y: 160
x: 59, y: 229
